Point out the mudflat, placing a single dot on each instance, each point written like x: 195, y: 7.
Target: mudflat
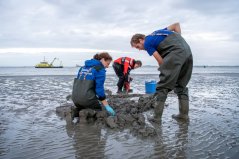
x: 30, y: 126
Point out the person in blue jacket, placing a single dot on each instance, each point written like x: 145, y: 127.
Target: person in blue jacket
x: 175, y: 61
x: 88, y: 88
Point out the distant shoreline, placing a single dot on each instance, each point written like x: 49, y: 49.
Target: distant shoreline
x: 111, y: 66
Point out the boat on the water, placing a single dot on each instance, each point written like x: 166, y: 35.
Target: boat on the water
x: 45, y: 64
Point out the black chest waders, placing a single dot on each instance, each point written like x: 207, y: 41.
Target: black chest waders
x: 83, y: 92
x: 119, y: 71
x: 175, y: 73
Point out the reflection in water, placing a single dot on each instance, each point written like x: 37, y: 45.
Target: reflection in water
x: 168, y: 149
x: 182, y: 139
x: 160, y: 147
x: 87, y: 139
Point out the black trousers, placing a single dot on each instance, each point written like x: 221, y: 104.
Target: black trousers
x: 119, y: 71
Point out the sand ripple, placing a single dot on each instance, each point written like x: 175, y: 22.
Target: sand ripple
x: 29, y: 127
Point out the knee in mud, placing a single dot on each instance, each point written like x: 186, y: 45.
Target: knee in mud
x: 87, y: 114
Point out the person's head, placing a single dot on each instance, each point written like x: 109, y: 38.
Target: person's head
x: 137, y: 64
x: 137, y: 41
x: 104, y: 58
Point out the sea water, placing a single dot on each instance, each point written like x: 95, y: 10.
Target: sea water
x: 30, y: 128
x: 31, y: 71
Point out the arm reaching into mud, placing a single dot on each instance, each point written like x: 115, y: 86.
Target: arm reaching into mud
x: 175, y: 27
x: 108, y: 108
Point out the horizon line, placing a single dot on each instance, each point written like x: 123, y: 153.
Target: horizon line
x: 142, y: 66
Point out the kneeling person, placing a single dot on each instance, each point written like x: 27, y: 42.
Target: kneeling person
x: 88, y: 89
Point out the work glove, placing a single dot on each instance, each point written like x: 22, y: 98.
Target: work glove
x: 110, y: 110
x: 130, y: 79
x: 126, y: 87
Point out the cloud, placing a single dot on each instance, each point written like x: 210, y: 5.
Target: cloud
x: 215, y: 7
x: 109, y: 24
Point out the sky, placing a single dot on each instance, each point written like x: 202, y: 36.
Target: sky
x: 75, y: 30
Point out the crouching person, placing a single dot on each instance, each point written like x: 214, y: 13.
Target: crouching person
x: 122, y: 67
x: 88, y: 88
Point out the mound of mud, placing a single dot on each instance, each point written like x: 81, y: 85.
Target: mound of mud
x: 129, y: 110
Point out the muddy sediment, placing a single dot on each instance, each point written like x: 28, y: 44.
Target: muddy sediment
x: 30, y: 128
x: 129, y: 109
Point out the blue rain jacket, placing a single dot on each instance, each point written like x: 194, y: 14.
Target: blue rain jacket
x: 94, y: 70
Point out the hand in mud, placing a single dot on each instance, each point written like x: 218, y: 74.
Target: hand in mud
x: 110, y: 110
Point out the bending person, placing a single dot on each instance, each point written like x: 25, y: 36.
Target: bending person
x: 122, y: 67
x: 175, y: 60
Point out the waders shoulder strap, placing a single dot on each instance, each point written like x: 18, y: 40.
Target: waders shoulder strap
x: 153, y: 34
x: 80, y: 74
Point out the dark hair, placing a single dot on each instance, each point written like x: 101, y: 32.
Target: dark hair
x: 135, y: 38
x: 103, y: 55
x: 138, y: 62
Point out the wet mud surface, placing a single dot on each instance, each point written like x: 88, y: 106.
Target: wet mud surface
x: 31, y: 128
x: 129, y: 108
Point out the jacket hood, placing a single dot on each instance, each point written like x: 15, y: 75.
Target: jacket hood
x: 92, y: 62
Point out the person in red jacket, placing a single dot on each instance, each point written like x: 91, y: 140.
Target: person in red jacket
x: 122, y: 67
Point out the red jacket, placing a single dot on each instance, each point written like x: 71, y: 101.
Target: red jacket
x: 127, y: 62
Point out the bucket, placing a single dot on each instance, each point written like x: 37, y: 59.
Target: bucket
x: 150, y: 87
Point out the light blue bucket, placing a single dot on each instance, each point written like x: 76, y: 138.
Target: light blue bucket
x: 150, y: 87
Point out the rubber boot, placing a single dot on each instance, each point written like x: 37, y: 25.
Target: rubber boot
x: 119, y: 91
x: 127, y: 91
x: 158, y: 112
x: 130, y: 91
x: 183, y: 109
x: 159, y: 100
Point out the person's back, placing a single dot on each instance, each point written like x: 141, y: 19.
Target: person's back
x: 84, y: 89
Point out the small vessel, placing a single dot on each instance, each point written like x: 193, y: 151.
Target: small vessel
x: 45, y: 64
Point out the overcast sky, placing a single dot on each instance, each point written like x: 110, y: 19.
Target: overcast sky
x: 74, y: 30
